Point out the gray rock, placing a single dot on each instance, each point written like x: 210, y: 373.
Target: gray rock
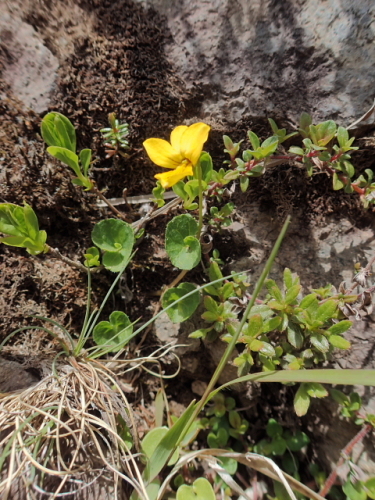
x: 274, y: 58
x: 30, y: 68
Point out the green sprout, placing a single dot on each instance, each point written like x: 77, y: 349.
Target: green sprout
x: 115, y: 137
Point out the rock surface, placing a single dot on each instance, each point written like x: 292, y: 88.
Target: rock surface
x: 30, y: 69
x: 251, y: 59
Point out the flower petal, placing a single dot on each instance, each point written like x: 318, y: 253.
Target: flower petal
x: 176, y: 137
x: 169, y: 179
x: 162, y: 153
x: 192, y: 141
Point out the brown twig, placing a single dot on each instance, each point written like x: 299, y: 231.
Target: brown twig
x: 107, y: 202
x: 55, y: 252
x: 344, y: 456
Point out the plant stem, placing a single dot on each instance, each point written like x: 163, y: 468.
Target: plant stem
x: 112, y: 207
x: 55, y: 252
x: 344, y: 456
x: 200, y: 200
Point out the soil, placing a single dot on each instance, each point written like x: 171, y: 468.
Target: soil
x: 112, y: 59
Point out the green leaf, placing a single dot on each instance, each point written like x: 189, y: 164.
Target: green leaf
x: 292, y: 294
x: 228, y: 143
x: 296, y: 151
x: 278, y: 446
x: 324, y: 376
x: 370, y: 487
x: 20, y: 224
x: 339, y: 397
x: 255, y: 326
x: 326, y: 311
x: 168, y: 443
x: 340, y: 327
x: 152, y: 440
x: 310, y: 301
x: 342, y: 136
x: 273, y: 428
x: 205, y: 161
x: 85, y: 159
x: 297, y: 441
x: 254, y: 140
x: 305, y: 121
x: 118, y: 330
x: 184, y: 309
x: 272, y: 324
x: 256, y: 345
x: 337, y: 182
x: 57, y: 130
x: 295, y: 336
x: 116, y: 239
x: 181, y: 244
x: 92, y: 256
x: 229, y: 464
x: 200, y: 490
x: 301, y: 401
x: 235, y: 419
x: 319, y: 342
x: 288, y: 278
x: 244, y: 183
x: 322, y: 133
x: 66, y: 156
x: 315, y: 390
x: 354, y: 491
x: 12, y: 220
x: 31, y: 222
x: 269, y: 146
x: 339, y: 342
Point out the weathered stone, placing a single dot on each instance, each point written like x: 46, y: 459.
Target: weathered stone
x: 273, y: 58
x: 30, y: 68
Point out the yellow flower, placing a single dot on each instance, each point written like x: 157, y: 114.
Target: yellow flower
x: 180, y: 155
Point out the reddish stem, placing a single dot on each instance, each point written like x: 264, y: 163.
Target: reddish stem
x: 345, y: 453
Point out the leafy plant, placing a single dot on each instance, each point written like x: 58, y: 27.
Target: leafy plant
x: 115, y: 136
x: 60, y: 135
x: 21, y: 227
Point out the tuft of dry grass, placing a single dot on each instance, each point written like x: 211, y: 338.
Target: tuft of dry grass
x: 63, y: 438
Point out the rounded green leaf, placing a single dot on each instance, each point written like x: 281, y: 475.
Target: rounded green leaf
x: 200, y: 490
x: 117, y: 330
x: 113, y: 235
x: 181, y: 243
x: 297, y: 441
x: 273, y: 428
x: 116, y: 238
x: 278, y: 445
x: 301, y: 401
x: 183, y: 309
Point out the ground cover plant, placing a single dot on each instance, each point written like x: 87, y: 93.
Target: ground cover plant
x: 283, y: 334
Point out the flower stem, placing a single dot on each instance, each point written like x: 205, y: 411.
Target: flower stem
x: 200, y: 199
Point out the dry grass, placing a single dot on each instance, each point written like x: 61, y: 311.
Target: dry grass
x: 63, y: 438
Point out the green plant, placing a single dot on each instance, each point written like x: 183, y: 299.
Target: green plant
x: 115, y: 137
x: 282, y: 334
